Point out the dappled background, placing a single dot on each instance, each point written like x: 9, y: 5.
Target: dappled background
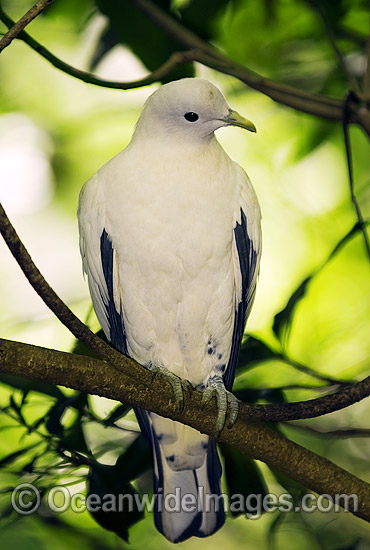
x: 56, y: 131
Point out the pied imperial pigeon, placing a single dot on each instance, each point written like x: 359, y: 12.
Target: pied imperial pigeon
x: 170, y: 238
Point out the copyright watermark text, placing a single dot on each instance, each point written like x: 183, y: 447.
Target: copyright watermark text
x: 26, y: 500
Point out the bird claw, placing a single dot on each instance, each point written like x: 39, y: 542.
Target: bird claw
x: 186, y: 386
x: 179, y: 385
x: 224, y: 398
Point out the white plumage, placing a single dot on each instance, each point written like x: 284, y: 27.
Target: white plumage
x: 170, y: 241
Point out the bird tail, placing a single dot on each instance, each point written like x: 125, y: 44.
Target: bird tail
x: 188, y: 500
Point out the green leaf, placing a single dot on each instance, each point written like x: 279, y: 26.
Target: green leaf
x: 283, y: 319
x: 254, y: 351
x: 14, y: 405
x: 24, y: 397
x: 294, y: 488
x: 30, y: 385
x: 192, y: 16
x: 136, y: 460
x: 17, y: 408
x: 354, y: 545
x: 73, y: 438
x: 108, y: 40
x: 103, y: 482
x: 244, y: 478
x: 145, y: 39
x: 6, y: 460
x: 29, y: 467
x: 79, y: 401
x: 115, y: 480
x: 53, y: 423
x: 119, y: 412
x: 333, y: 12
x: 274, y: 527
x: 319, y: 134
x: 7, y: 511
x: 272, y: 395
x: 36, y: 424
x: 75, y: 13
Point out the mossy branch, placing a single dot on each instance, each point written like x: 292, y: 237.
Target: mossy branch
x: 134, y: 384
x: 199, y: 50
x: 282, y: 411
x: 248, y: 435
x: 177, y: 58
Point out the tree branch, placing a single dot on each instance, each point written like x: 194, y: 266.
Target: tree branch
x: 135, y: 385
x: 315, y: 104
x: 176, y: 59
x: 14, y: 31
x: 248, y: 435
x: 282, y: 411
x: 52, y: 300
x: 202, y: 52
x: 300, y: 100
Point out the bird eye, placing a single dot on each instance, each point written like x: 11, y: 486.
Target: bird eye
x: 191, y: 117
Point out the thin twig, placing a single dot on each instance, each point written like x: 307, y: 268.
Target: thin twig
x: 172, y: 62
x: 366, y: 79
x: 308, y: 370
x: 347, y: 143
x: 341, y: 433
x: 136, y: 386
x: 346, y: 32
x: 248, y: 435
x: 287, y: 411
x: 14, y: 31
x: 283, y: 356
x: 329, y: 32
x: 301, y: 100
x: 313, y: 408
x: 52, y: 300
x: 318, y: 389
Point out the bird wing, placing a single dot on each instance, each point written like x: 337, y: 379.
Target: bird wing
x: 246, y: 260
x: 100, y: 263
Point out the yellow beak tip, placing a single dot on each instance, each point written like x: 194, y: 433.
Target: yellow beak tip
x: 235, y: 119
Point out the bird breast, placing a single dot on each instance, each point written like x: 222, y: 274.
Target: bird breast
x: 171, y: 222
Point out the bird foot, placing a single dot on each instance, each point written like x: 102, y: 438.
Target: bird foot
x: 215, y: 387
x: 179, y: 385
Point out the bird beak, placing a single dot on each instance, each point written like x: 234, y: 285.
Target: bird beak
x: 235, y: 119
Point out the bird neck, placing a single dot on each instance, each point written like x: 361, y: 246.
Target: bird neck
x: 173, y: 143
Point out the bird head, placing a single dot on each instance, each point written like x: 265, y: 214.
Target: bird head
x: 190, y: 107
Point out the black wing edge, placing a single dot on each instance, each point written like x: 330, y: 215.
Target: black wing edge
x: 248, y: 264
x: 117, y: 335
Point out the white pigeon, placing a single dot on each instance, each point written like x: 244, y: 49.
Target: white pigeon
x: 170, y: 239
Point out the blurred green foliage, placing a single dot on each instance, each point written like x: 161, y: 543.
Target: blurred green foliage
x: 310, y: 326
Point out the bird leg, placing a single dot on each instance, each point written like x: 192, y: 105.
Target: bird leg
x: 179, y: 385
x: 215, y: 387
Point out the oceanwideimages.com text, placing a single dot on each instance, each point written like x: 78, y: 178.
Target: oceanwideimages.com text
x: 26, y: 500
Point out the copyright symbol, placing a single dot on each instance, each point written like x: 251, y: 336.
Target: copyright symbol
x: 25, y: 499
